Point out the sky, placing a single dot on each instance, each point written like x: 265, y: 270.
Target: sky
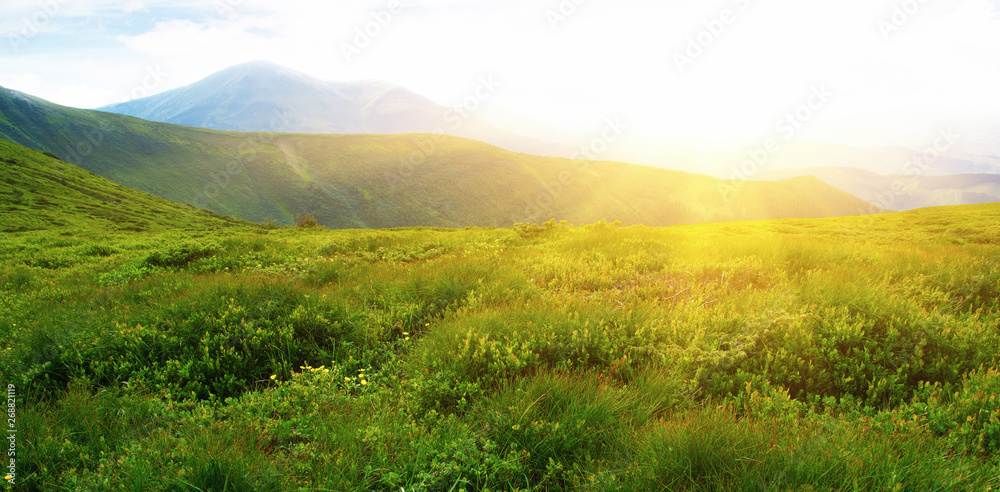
x: 704, y: 72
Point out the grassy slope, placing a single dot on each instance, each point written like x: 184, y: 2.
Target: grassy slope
x: 392, y: 181
x: 38, y: 192
x: 853, y: 353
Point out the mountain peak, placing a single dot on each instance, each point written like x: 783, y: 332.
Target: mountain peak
x: 263, y: 96
x: 259, y: 67
x: 260, y: 64
x: 248, y: 97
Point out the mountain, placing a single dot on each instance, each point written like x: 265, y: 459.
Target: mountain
x: 41, y: 192
x: 265, y: 97
x: 381, y: 181
x: 901, y: 192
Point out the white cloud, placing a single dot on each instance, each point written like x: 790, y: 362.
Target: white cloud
x: 606, y: 58
x: 20, y: 80
x: 134, y: 6
x: 85, y: 96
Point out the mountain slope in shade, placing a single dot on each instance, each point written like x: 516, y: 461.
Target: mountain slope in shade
x: 265, y: 97
x: 41, y: 192
x: 900, y: 192
x: 393, y: 180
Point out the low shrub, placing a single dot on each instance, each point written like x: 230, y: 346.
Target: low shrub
x: 179, y: 255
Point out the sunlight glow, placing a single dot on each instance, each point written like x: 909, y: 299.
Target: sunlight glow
x: 571, y: 64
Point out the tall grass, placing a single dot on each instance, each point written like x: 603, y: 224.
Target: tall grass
x: 844, y: 354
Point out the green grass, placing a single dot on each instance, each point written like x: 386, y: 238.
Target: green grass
x: 199, y: 353
x: 835, y: 354
x: 38, y: 192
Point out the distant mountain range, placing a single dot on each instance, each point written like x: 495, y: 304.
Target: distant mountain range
x: 903, y: 192
x: 392, y: 180
x: 265, y: 97
x: 800, y: 155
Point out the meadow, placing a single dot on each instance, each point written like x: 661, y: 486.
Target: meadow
x: 857, y: 353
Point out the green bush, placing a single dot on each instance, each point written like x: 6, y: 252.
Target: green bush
x: 712, y: 448
x: 18, y: 279
x: 568, y: 428
x: 99, y: 250
x: 180, y: 255
x: 968, y: 416
x: 51, y: 262
x: 270, y: 223
x: 876, y: 353
x: 126, y: 274
x: 216, y: 475
x: 221, y: 346
x: 527, y: 231
x: 306, y: 221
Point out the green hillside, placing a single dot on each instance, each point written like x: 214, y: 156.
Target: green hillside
x: 351, y: 181
x: 39, y: 192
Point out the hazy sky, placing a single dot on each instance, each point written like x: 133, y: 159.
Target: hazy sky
x: 891, y: 70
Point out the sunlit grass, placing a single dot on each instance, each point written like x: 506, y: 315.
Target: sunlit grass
x: 844, y: 354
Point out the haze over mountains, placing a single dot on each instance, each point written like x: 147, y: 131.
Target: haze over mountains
x: 903, y: 192
x: 265, y: 97
x: 362, y: 154
x: 818, y: 154
x: 392, y: 180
